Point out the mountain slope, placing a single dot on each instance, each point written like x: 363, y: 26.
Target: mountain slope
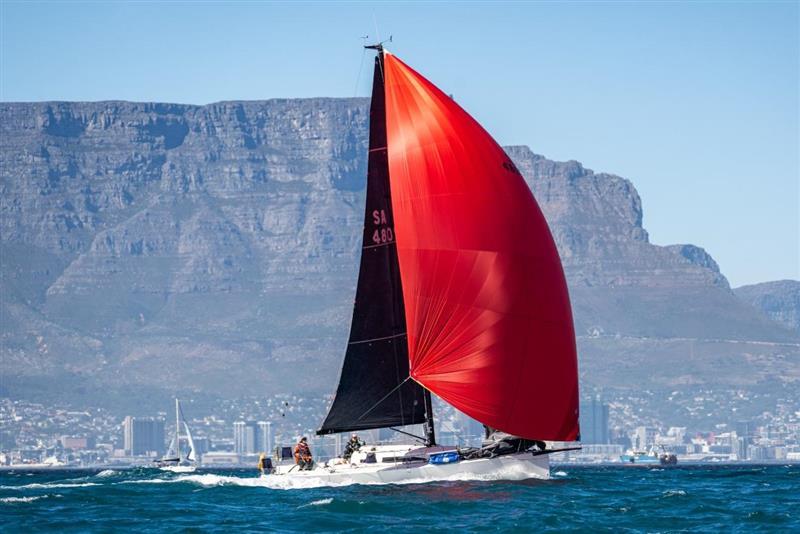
x: 158, y: 247
x: 779, y: 300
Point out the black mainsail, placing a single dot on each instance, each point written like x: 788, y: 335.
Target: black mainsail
x: 374, y: 388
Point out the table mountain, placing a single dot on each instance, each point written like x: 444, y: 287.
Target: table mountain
x: 150, y: 248
x: 779, y: 300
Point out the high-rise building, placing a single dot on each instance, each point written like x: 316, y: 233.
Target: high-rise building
x: 244, y: 437
x: 745, y: 431
x: 143, y: 436
x: 594, y: 422
x: 264, y: 437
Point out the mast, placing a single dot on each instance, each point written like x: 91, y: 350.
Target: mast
x: 427, y: 426
x: 177, y: 429
x: 375, y: 389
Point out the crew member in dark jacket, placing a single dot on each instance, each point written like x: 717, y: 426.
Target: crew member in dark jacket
x: 352, y: 446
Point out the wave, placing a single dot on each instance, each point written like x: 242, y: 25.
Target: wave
x: 106, y: 473
x: 207, y: 480
x: 320, y: 502
x: 673, y: 493
x: 211, y: 480
x: 560, y: 474
x: 50, y: 485
x: 11, y: 500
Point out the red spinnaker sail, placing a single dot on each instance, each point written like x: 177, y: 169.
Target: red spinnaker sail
x: 487, y: 309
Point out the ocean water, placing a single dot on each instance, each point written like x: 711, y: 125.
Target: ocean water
x: 611, y: 499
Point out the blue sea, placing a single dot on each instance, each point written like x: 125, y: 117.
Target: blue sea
x: 611, y: 499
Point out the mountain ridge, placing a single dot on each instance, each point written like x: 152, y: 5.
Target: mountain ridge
x: 147, y: 241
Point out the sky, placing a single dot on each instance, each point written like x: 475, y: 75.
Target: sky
x: 697, y: 103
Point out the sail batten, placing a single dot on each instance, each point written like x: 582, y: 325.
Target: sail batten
x: 487, y: 310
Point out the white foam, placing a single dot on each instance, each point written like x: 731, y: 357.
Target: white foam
x: 106, y: 473
x: 672, y: 493
x: 320, y: 502
x: 9, y: 500
x: 560, y: 474
x: 209, y: 480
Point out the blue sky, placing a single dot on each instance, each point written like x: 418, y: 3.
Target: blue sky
x: 697, y: 103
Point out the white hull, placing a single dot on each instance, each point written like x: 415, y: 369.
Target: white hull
x: 521, y: 466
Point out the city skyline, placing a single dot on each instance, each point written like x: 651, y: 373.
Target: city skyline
x: 94, y: 438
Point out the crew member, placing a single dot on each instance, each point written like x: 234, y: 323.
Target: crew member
x: 302, y: 455
x: 352, y: 446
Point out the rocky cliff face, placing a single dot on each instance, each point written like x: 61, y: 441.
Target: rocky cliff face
x: 621, y: 283
x: 214, y: 248
x: 778, y: 300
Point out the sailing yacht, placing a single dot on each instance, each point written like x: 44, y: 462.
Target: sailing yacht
x: 460, y: 293
x: 173, y: 461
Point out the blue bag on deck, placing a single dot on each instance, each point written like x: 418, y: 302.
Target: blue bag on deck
x: 444, y: 458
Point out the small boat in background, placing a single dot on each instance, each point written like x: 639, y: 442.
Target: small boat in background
x: 173, y: 461
x: 634, y: 457
x: 651, y: 457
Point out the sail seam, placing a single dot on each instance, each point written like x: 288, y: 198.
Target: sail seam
x: 378, y: 245
x: 376, y: 339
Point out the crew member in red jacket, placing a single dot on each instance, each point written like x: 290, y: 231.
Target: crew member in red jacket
x: 302, y: 455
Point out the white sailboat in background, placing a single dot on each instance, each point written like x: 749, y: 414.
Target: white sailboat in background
x: 173, y: 461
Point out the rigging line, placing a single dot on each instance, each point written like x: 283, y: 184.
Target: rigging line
x: 383, y: 399
x: 458, y: 434
x: 418, y: 438
x: 401, y: 334
x: 360, y: 69
x: 180, y: 411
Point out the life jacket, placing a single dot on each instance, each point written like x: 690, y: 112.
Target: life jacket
x: 301, y: 452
